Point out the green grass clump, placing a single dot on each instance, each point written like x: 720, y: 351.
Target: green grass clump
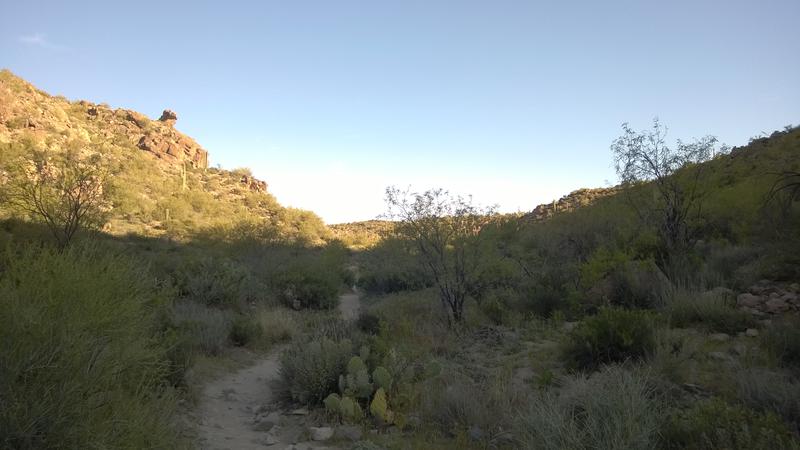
x: 782, y: 340
x: 612, y: 409
x: 310, y: 370
x: 613, y: 335
x: 711, y: 310
x: 79, y: 364
x: 714, y: 424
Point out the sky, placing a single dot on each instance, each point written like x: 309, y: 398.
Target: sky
x: 330, y: 101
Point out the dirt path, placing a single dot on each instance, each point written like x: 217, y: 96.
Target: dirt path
x: 239, y: 411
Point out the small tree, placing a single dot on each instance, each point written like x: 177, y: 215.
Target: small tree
x: 445, y: 232
x: 644, y: 156
x: 64, y: 191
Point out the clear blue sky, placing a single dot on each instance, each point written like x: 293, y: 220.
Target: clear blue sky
x: 329, y: 101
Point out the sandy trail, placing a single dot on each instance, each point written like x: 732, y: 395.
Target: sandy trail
x: 238, y: 411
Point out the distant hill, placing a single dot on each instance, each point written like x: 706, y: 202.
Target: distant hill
x: 162, y: 181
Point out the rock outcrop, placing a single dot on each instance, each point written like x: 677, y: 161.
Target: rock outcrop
x: 569, y: 202
x: 768, y: 298
x: 254, y: 184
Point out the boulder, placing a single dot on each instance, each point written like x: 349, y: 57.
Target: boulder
x: 751, y: 332
x: 168, y: 116
x: 748, y: 300
x: 320, y: 433
x: 348, y: 433
x: 720, y: 337
x: 776, y: 305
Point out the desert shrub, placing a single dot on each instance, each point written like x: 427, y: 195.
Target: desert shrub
x: 777, y: 392
x: 245, y: 330
x: 310, y: 370
x: 544, y: 300
x: 456, y: 404
x: 613, y: 335
x: 309, y: 286
x: 207, y: 329
x: 80, y: 363
x: 368, y: 322
x: 389, y: 267
x: 213, y: 282
x: 714, y: 424
x: 782, y: 340
x: 713, y: 310
x: 278, y: 325
x: 611, y: 409
x: 636, y: 284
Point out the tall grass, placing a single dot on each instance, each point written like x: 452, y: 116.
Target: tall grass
x: 79, y: 363
x: 612, y: 409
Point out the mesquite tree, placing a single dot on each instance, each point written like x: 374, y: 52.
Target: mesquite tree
x: 445, y: 232
x: 641, y: 157
x: 65, y: 191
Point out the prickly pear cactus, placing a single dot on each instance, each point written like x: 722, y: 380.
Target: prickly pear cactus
x: 355, y: 365
x: 333, y: 404
x: 382, y: 378
x: 379, y: 408
x: 350, y: 409
x: 356, y: 383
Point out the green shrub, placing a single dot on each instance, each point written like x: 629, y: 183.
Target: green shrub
x: 613, y: 335
x: 278, y: 325
x: 245, y: 330
x: 310, y: 286
x: 713, y: 310
x: 212, y: 282
x: 612, y: 409
x: 713, y: 424
x: 782, y: 339
x: 369, y: 323
x: 79, y: 362
x: 310, y: 370
x: 207, y: 329
x: 764, y: 390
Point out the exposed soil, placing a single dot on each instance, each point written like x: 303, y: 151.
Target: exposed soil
x: 240, y: 410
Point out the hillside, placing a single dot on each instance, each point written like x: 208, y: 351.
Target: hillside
x: 162, y: 182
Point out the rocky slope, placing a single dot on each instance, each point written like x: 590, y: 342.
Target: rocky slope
x: 162, y: 180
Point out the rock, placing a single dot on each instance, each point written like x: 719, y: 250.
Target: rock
x: 320, y: 433
x: 475, y: 433
x: 140, y: 120
x: 254, y: 184
x: 168, y: 116
x: 266, y: 423
x: 794, y: 287
x: 739, y: 349
x: 569, y: 326
x: 348, y: 432
x: 776, y: 305
x: 296, y: 305
x: 299, y: 412
x: 720, y: 356
x: 268, y: 440
x: 751, y: 332
x: 748, y: 300
x: 720, y: 337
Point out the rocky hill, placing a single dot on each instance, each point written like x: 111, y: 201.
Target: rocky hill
x: 569, y: 202
x: 162, y: 180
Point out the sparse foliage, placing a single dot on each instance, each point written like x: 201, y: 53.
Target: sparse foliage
x: 65, y: 191
x: 445, y: 232
x: 641, y: 157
